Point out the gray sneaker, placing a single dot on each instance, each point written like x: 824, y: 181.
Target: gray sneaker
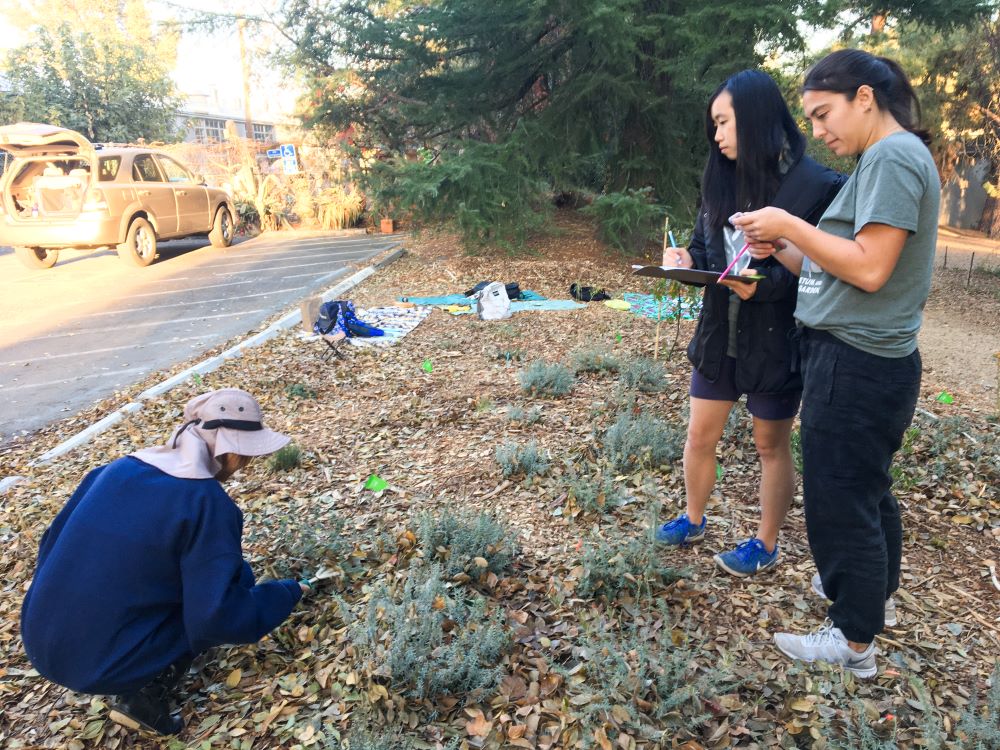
x: 828, y: 644
x: 890, y: 603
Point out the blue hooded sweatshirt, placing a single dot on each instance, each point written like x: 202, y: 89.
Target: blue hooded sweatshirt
x: 138, y: 570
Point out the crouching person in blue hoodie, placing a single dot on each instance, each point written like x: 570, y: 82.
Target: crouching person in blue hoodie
x: 143, y: 568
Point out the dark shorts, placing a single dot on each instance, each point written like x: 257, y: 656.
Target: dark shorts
x: 762, y: 405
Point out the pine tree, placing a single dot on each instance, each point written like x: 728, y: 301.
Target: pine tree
x: 478, y: 108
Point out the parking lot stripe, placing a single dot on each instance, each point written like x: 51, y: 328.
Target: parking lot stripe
x: 192, y: 289
x: 278, y: 268
x: 288, y: 256
x: 141, y: 345
x: 133, y: 310
x: 106, y: 374
x: 172, y: 321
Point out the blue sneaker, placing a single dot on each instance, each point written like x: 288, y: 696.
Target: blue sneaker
x: 748, y: 558
x: 681, y: 531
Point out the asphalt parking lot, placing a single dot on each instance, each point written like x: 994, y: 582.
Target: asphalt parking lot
x: 75, y: 333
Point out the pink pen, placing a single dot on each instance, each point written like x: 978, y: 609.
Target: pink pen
x: 729, y: 267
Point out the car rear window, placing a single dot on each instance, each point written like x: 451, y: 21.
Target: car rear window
x: 108, y: 168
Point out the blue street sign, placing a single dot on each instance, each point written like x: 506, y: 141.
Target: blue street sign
x: 290, y: 165
x: 287, y: 150
x: 274, y: 153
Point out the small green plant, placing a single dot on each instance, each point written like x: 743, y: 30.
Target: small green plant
x: 297, y: 390
x: 285, y: 459
x: 432, y: 640
x: 643, y: 441
x: 737, y: 421
x: 797, y: 450
x: 643, y: 374
x: 526, y: 460
x: 634, y: 569
x: 527, y: 416
x: 646, y: 684
x: 902, y: 480
x: 594, y: 494
x: 996, y: 356
x: 370, y: 738
x: 461, y: 543
x: 594, y: 359
x: 860, y: 735
x: 980, y: 724
x: 546, y: 379
x: 510, y: 355
x: 295, y: 545
x: 482, y: 403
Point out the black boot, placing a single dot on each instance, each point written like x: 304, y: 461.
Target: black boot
x: 144, y: 710
x: 149, y: 707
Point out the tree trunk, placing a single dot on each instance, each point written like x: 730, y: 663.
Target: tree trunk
x: 878, y: 23
x: 990, y: 222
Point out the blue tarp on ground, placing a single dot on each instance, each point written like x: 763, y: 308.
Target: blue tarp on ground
x: 461, y: 299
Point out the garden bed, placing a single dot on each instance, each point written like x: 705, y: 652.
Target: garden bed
x: 585, y: 635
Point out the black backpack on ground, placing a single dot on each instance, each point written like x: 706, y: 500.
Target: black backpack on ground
x: 513, y: 289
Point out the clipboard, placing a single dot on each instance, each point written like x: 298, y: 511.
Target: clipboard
x: 689, y: 275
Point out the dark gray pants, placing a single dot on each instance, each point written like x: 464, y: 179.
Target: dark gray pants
x: 855, y: 409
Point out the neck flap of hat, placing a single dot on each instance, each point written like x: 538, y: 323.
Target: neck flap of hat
x: 190, y: 452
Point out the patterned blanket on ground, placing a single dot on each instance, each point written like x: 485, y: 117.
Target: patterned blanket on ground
x: 395, y: 321
x: 665, y: 309
x: 537, y: 304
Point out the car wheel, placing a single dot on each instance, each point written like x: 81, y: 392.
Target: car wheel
x: 222, y: 228
x: 36, y: 257
x: 139, y: 247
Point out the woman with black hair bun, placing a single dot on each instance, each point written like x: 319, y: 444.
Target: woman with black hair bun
x: 864, y: 277
x: 742, y: 345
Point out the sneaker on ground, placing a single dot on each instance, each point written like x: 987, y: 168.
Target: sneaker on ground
x: 681, y: 531
x: 890, y: 604
x: 828, y: 644
x: 749, y: 558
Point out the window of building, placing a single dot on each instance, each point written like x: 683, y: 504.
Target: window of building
x: 263, y: 133
x: 208, y: 129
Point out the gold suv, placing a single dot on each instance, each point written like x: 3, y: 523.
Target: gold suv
x: 62, y: 192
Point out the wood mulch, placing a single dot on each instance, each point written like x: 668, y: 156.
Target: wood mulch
x: 432, y: 436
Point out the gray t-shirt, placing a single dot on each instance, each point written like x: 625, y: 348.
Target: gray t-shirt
x: 895, y: 183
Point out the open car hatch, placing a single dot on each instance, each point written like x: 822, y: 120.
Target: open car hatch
x: 27, y: 139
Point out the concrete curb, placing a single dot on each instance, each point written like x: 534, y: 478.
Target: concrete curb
x: 290, y: 320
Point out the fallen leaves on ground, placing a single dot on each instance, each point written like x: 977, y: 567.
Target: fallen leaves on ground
x: 430, y: 435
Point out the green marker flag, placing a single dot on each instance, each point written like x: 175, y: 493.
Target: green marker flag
x: 618, y: 338
x: 427, y: 366
x: 718, y: 471
x: 945, y: 398
x: 375, y: 483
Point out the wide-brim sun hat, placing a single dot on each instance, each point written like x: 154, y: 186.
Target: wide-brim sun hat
x: 228, y: 420
x: 236, y: 418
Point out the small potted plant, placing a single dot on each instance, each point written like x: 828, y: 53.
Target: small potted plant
x: 381, y: 213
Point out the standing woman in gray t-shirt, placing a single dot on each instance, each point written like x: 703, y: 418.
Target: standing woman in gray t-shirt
x: 864, y: 276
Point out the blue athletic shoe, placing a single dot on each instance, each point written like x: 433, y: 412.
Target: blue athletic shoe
x: 748, y: 558
x: 681, y: 531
